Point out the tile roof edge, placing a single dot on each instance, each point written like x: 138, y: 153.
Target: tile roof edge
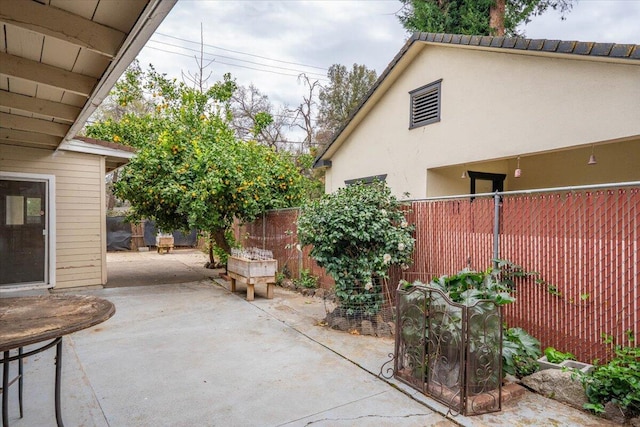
x: 549, y: 46
x: 552, y: 46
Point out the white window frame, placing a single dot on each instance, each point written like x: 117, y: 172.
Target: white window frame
x: 50, y: 228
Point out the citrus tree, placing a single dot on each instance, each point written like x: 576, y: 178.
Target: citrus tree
x: 357, y: 233
x: 190, y: 170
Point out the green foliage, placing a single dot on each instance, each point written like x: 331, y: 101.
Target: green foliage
x: 314, y: 184
x: 462, y: 17
x: 206, y: 182
x: 494, y: 284
x: 190, y: 171
x: 470, y: 286
x: 219, y: 252
x: 306, y: 280
x: 519, y: 349
x: 345, y: 91
x: 471, y: 16
x: 617, y: 381
x: 357, y: 233
x: 519, y: 352
x: 261, y: 121
x: 555, y: 356
x: 132, y: 129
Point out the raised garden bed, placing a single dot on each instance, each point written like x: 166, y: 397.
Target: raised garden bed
x: 252, y: 272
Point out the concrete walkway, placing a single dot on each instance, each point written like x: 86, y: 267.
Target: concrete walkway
x: 193, y: 354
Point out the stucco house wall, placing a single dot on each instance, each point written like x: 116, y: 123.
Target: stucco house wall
x: 496, y: 105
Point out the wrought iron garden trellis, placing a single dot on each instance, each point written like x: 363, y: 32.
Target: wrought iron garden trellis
x: 449, y: 351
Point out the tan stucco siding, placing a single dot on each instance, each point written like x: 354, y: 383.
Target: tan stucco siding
x: 494, y: 106
x: 79, y: 213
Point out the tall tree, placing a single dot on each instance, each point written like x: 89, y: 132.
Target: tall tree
x: 345, y: 91
x: 190, y: 170
x: 304, y: 114
x: 250, y: 109
x: 475, y: 17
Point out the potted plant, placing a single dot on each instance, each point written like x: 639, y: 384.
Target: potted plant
x: 555, y: 359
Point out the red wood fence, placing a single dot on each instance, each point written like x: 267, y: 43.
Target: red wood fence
x: 584, y: 245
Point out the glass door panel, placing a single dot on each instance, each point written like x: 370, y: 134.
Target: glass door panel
x: 23, y: 232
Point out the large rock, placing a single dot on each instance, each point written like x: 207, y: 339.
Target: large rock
x: 339, y: 323
x: 557, y: 385
x: 366, y: 328
x: 383, y: 330
x: 613, y: 412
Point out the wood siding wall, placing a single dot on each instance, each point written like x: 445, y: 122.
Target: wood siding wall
x: 80, y: 258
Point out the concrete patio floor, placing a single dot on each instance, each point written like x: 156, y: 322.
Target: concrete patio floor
x: 182, y: 350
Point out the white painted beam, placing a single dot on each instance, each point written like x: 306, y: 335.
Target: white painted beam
x: 63, y: 25
x: 30, y: 124
x: 27, y: 69
x: 44, y: 107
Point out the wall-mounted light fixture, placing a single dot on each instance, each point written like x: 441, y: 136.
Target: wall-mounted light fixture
x: 518, y: 172
x: 464, y: 173
x: 592, y: 157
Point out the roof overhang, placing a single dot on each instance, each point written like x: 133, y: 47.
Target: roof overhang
x: 58, y: 63
x: 116, y: 155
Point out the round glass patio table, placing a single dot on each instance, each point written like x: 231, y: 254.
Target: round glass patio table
x: 35, y: 319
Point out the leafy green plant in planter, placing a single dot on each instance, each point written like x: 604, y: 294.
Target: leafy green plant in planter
x: 519, y: 352
x: 519, y: 349
x: 357, y: 233
x: 556, y: 356
x: 617, y: 381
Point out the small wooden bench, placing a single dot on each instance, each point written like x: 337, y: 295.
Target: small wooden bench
x: 270, y: 281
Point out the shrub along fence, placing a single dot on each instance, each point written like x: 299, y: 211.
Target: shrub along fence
x: 582, y: 241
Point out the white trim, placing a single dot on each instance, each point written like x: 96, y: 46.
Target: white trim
x: 79, y: 146
x: 50, y: 248
x: 103, y: 229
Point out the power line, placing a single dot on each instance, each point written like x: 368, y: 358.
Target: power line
x: 235, y: 59
x: 226, y: 63
x: 241, y: 53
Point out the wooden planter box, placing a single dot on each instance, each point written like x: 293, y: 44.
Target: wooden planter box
x: 164, y: 243
x: 251, y: 273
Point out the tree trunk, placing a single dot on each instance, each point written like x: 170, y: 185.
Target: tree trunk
x: 221, y: 242
x: 111, y: 198
x: 496, y: 18
x: 212, y: 260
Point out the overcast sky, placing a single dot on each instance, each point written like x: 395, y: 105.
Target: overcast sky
x: 269, y: 43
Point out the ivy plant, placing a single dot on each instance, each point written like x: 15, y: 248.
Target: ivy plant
x: 617, y: 381
x: 357, y: 233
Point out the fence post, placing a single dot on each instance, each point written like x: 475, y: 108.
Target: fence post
x: 496, y: 229
x: 264, y: 230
